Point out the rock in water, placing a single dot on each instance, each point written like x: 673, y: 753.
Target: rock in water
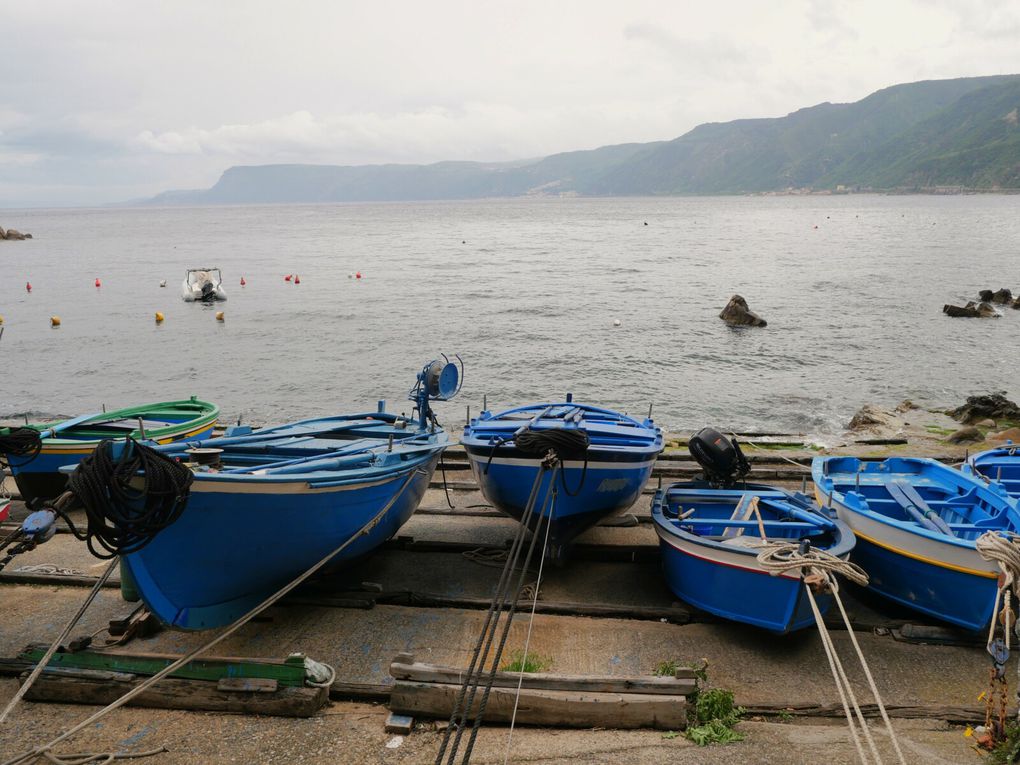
x: 1002, y: 296
x: 13, y: 235
x: 966, y: 435
x: 868, y: 416
x: 972, y: 310
x: 3, y: 234
x: 736, y: 313
x: 985, y: 295
x: 993, y: 406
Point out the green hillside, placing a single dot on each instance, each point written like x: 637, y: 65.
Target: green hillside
x: 921, y: 135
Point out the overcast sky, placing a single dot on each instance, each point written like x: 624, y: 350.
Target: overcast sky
x: 106, y: 101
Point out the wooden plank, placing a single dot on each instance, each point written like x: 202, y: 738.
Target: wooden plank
x: 567, y: 709
x: 288, y: 672
x: 90, y: 687
x: 247, y: 685
x: 952, y: 714
x: 647, y: 684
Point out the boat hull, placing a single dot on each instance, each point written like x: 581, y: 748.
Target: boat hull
x: 950, y: 582
x: 584, y: 495
x: 732, y: 586
x: 193, y: 577
x: 42, y: 478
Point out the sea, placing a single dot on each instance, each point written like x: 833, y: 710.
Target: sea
x: 614, y: 300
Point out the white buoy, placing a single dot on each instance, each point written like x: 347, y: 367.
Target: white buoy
x: 616, y: 322
x: 162, y: 283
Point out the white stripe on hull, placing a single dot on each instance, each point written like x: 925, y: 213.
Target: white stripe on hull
x: 567, y: 464
x: 733, y: 559
x: 929, y: 550
x: 288, y: 487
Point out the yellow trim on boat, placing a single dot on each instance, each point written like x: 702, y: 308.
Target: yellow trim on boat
x: 929, y: 561
x: 170, y: 439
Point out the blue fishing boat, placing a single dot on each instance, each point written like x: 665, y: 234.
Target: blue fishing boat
x: 265, y: 506
x: 37, y: 452
x: 710, y: 538
x: 1001, y: 465
x: 604, y: 459
x: 916, y: 522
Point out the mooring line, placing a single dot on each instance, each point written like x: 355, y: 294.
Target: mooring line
x: 481, y: 654
x: 527, y: 639
x: 60, y: 639
x: 236, y: 625
x: 511, y: 610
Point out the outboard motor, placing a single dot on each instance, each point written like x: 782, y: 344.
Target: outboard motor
x: 720, y: 457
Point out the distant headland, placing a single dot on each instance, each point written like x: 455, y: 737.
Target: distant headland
x: 936, y: 136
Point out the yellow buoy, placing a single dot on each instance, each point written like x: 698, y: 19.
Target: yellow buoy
x: 219, y: 316
x: 159, y: 317
x: 54, y: 321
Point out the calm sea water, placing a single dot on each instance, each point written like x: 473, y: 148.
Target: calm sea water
x: 526, y: 291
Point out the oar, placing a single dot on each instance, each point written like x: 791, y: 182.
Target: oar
x: 62, y: 426
x: 802, y: 515
x: 269, y: 435
x: 917, y: 508
x: 348, y: 451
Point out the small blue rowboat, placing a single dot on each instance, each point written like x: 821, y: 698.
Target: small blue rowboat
x: 605, y: 459
x: 1001, y: 465
x: 710, y: 538
x: 266, y: 506
x: 916, y: 522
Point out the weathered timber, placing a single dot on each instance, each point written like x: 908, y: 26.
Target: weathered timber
x: 290, y: 672
x: 951, y: 714
x: 566, y: 709
x: 673, y: 614
x: 83, y: 686
x: 399, y: 724
x: 644, y: 684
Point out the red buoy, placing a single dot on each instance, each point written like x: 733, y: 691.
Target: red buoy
x: 287, y: 278
x: 357, y: 275
x: 98, y: 283
x: 28, y: 286
x: 243, y: 282
x: 297, y: 279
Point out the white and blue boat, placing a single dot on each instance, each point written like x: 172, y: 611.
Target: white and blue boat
x: 604, y: 461
x: 1001, y: 465
x: 265, y: 506
x: 710, y: 538
x: 916, y: 522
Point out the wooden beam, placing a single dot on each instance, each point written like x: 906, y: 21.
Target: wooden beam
x: 645, y: 684
x: 82, y: 686
x: 566, y: 709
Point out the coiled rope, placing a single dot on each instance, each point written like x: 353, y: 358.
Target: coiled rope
x: 565, y: 444
x: 1002, y: 548
x: 123, y: 516
x: 21, y: 442
x: 818, y: 569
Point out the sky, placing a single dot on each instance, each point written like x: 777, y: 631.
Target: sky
x: 106, y: 101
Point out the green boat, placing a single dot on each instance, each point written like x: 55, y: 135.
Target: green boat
x: 66, y: 442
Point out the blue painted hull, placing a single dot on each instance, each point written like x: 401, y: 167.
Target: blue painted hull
x: 230, y: 551
x: 951, y: 596
x: 582, y: 498
x: 778, y: 604
x: 910, y: 559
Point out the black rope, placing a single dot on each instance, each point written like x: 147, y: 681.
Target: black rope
x: 19, y: 442
x: 123, y: 518
x: 446, y: 488
x: 565, y: 444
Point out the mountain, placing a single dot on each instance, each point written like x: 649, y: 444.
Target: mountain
x: 962, y: 132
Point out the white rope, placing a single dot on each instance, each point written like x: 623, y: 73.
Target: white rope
x: 780, y: 557
x: 319, y: 674
x: 236, y: 625
x: 527, y: 639
x: 56, y: 643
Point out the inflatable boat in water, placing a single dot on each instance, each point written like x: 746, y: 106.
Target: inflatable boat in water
x: 203, y: 285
